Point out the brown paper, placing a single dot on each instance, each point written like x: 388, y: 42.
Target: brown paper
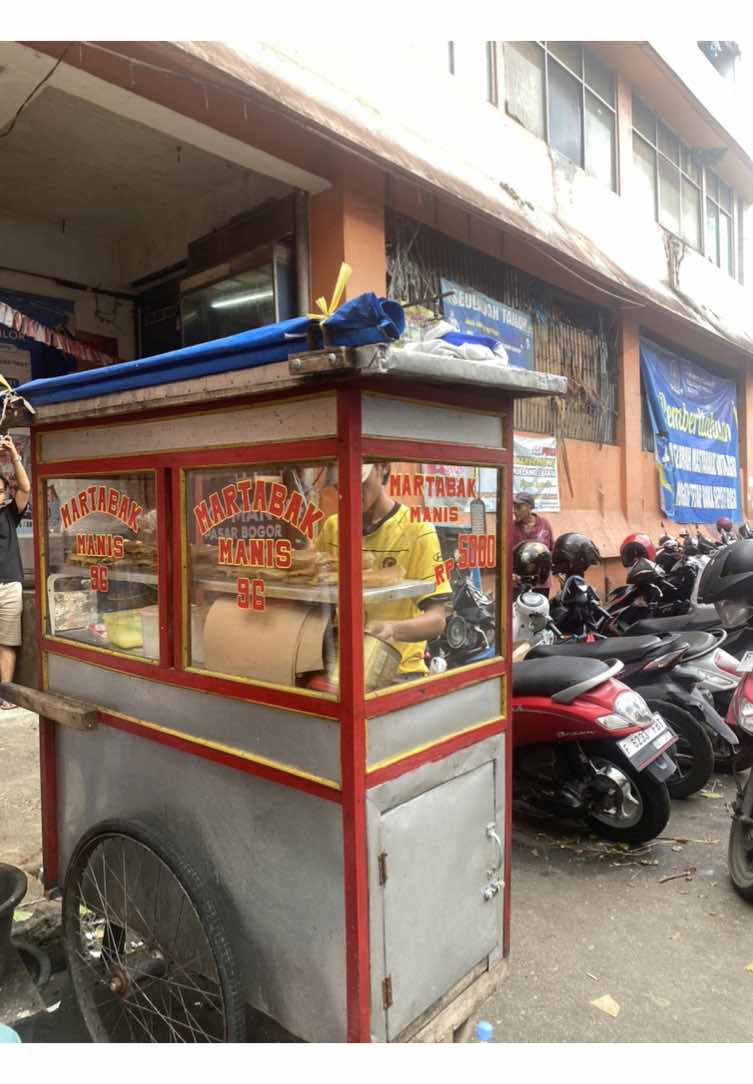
x: 271, y: 645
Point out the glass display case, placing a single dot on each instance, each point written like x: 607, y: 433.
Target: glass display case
x: 102, y: 583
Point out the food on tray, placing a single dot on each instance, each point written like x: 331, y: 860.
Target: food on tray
x: 384, y: 577
x: 86, y: 559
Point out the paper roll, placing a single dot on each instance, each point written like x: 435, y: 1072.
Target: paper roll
x: 273, y: 645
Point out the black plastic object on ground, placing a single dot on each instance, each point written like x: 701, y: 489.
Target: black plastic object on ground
x: 13, y: 886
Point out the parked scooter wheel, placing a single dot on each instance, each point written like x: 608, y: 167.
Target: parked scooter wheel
x: 692, y: 752
x: 645, y: 805
x: 740, y: 847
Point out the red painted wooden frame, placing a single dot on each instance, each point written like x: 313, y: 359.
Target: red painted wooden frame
x: 348, y: 448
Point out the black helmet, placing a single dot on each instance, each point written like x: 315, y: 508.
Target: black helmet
x: 532, y: 560
x: 573, y: 554
x: 728, y: 577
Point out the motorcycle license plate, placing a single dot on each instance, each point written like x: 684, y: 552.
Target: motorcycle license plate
x: 645, y: 745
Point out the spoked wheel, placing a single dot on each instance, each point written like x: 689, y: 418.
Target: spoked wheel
x: 634, y: 807
x: 147, y: 953
x: 692, y: 752
x: 740, y: 848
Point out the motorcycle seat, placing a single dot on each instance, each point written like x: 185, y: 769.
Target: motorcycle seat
x: 698, y: 644
x: 545, y: 677
x: 705, y: 617
x: 624, y: 648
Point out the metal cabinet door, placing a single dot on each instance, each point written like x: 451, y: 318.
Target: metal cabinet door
x: 439, y: 921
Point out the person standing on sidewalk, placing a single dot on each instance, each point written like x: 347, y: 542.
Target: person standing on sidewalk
x: 12, y: 508
x: 529, y: 526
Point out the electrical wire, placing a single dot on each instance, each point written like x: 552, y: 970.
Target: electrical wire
x: 39, y: 85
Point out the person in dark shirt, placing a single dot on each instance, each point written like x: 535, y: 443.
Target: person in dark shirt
x: 11, y: 571
x: 529, y: 526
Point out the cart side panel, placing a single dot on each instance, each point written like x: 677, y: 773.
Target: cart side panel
x: 397, y: 733
x: 273, y: 853
x: 314, y: 416
x: 303, y: 743
x: 436, y: 912
x: 386, y: 417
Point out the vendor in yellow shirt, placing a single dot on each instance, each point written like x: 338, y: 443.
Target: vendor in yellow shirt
x: 394, y: 540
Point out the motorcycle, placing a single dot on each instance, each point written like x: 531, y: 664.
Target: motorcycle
x: 700, y: 686
x: 740, y: 844
x: 586, y: 746
x: 649, y: 668
x: 470, y: 629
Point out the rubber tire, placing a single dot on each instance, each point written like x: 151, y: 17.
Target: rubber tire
x: 740, y: 869
x: 201, y: 898
x: 653, y: 794
x: 695, y: 740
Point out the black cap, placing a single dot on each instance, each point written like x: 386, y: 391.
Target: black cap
x: 524, y: 498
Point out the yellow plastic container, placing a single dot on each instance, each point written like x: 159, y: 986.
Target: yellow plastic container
x: 123, y: 628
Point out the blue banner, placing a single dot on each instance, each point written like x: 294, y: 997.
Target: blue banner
x: 474, y: 313
x: 694, y: 419
x: 50, y: 311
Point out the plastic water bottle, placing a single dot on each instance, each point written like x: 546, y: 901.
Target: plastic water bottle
x: 484, y: 1031
x: 8, y: 1035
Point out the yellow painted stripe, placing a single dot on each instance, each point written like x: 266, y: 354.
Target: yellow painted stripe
x: 437, y: 677
x: 428, y: 745
x: 241, y: 753
x: 202, y: 692
x: 102, y: 651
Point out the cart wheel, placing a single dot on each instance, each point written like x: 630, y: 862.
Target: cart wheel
x: 147, y: 953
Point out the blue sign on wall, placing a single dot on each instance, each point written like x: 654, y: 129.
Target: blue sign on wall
x: 50, y: 311
x: 476, y: 314
x: 694, y: 419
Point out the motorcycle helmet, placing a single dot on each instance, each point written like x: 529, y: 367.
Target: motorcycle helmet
x: 636, y: 546
x: 727, y: 582
x: 532, y: 561
x: 724, y: 523
x: 573, y: 553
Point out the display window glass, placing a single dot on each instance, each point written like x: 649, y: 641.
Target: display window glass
x: 101, y: 535
x: 260, y: 595
x: 431, y: 560
x: 263, y: 556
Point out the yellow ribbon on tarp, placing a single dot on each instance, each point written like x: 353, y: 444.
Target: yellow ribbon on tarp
x: 327, y: 310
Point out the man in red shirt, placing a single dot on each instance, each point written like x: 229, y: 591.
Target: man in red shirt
x: 531, y: 527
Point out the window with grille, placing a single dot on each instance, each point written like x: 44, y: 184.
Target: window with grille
x: 682, y: 193
x: 564, y: 94
x: 572, y: 338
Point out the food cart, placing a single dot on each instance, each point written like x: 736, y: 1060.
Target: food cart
x: 247, y: 809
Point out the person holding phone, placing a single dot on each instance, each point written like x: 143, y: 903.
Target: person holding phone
x: 12, y: 507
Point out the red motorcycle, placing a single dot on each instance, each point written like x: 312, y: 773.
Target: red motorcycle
x: 585, y: 746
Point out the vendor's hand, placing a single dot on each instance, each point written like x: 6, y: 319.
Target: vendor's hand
x: 7, y: 445
x: 383, y: 630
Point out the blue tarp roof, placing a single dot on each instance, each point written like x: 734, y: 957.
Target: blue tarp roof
x: 365, y: 319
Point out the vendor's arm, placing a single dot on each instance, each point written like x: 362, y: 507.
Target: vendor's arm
x: 425, y: 626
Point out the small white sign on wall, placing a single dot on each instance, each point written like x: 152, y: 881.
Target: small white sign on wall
x: 535, y: 470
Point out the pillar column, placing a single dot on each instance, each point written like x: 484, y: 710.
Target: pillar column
x: 629, y: 421
x: 346, y: 223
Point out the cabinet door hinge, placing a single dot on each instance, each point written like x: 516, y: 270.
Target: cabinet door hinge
x: 387, y: 992
x: 382, y: 867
